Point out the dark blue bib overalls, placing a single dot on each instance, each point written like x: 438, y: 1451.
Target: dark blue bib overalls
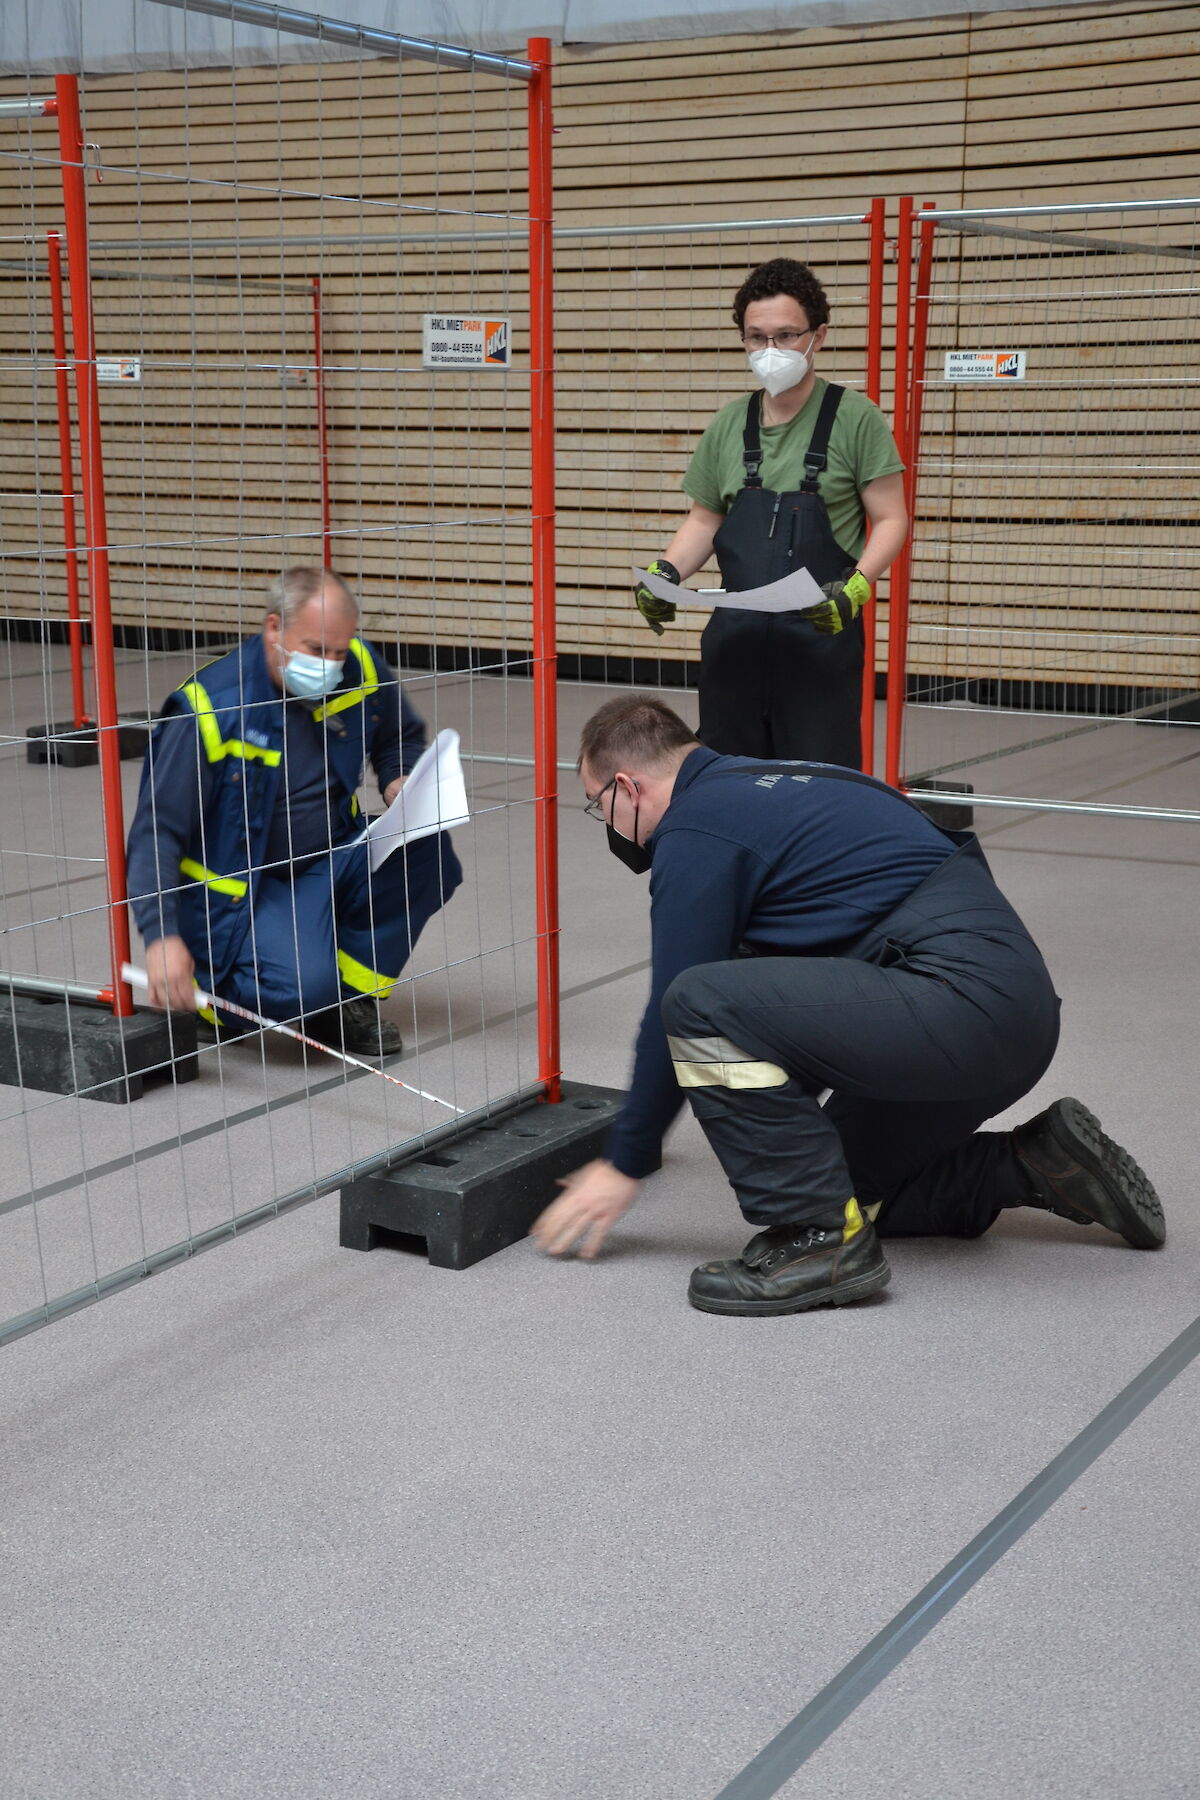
x: 771, y: 684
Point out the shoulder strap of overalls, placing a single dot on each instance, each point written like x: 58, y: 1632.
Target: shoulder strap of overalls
x: 751, y: 443
x: 815, y: 457
x: 817, y: 454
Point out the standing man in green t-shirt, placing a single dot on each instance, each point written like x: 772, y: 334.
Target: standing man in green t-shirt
x: 787, y: 479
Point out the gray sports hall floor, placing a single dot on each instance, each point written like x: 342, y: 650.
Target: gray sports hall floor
x: 291, y: 1521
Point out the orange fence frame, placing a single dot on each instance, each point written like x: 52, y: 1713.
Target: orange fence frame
x: 542, y: 498
x: 874, y: 218
x: 545, y: 656
x: 67, y: 469
x: 91, y: 463
x: 898, y: 608
x: 912, y: 323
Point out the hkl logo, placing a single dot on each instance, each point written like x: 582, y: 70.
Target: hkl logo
x: 1009, y: 365
x: 495, y: 341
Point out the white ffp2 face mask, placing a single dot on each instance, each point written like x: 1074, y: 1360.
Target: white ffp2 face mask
x: 779, y: 370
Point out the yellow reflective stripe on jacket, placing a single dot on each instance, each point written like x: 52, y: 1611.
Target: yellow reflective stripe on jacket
x: 220, y: 884
x: 238, y: 747
x: 215, y: 746
x: 353, y: 696
x: 365, y: 981
x: 210, y: 731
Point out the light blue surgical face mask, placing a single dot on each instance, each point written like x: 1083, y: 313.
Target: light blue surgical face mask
x: 310, y: 677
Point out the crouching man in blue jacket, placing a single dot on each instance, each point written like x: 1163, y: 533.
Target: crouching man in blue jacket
x: 812, y: 930
x: 245, y: 873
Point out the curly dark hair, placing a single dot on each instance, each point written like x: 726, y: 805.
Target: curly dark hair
x: 782, y: 275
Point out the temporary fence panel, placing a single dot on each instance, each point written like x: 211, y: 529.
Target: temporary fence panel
x: 267, y: 250
x: 390, y: 191
x: 1056, y: 549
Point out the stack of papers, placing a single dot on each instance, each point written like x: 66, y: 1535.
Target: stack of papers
x: 433, y: 798
x: 794, y: 592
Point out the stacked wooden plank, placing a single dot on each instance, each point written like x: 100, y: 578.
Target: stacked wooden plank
x: 1055, y: 534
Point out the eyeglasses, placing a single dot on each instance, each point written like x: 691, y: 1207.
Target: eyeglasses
x: 782, y: 340
x: 593, y: 809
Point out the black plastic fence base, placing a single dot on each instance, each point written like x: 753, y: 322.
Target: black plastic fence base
x: 949, y: 814
x: 78, y: 746
x: 472, y: 1195
x: 73, y: 1047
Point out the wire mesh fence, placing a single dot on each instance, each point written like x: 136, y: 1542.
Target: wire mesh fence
x: 266, y: 249
x: 1053, y: 635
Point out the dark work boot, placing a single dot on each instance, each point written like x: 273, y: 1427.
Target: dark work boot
x: 823, y: 1262
x: 1074, y: 1170
x: 359, y: 1028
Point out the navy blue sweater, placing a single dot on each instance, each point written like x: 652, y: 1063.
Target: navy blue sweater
x: 796, y: 861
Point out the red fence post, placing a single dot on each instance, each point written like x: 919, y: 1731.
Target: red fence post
x: 875, y: 221
x: 91, y: 464
x: 67, y: 467
x: 545, y: 657
x: 898, y: 589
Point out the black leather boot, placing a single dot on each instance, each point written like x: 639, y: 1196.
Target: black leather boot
x: 823, y: 1262
x: 357, y: 1027
x: 1074, y: 1170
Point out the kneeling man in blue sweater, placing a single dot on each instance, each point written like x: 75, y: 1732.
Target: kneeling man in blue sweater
x: 814, y: 933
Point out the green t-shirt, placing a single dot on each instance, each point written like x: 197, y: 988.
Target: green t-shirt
x: 861, y: 449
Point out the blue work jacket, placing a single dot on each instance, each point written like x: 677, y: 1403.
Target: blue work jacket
x: 211, y: 780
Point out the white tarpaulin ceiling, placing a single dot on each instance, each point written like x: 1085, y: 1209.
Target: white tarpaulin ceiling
x: 45, y: 37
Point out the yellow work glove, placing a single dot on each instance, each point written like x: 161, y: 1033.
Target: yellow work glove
x: 656, y: 612
x: 843, y: 602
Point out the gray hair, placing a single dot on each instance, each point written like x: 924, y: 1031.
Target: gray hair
x: 291, y: 592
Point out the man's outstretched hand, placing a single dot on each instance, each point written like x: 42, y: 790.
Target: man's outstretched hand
x: 592, y: 1200
x: 170, y: 968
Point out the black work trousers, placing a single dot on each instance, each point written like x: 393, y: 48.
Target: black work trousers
x: 942, y: 1016
x: 772, y: 685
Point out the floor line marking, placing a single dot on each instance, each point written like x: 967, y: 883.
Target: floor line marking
x: 790, y: 1748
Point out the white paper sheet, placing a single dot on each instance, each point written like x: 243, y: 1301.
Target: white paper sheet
x: 799, y: 589
x: 432, y: 799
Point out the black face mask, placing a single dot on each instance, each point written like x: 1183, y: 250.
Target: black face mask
x: 635, y: 856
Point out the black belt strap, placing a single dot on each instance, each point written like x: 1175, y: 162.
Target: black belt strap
x: 815, y: 457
